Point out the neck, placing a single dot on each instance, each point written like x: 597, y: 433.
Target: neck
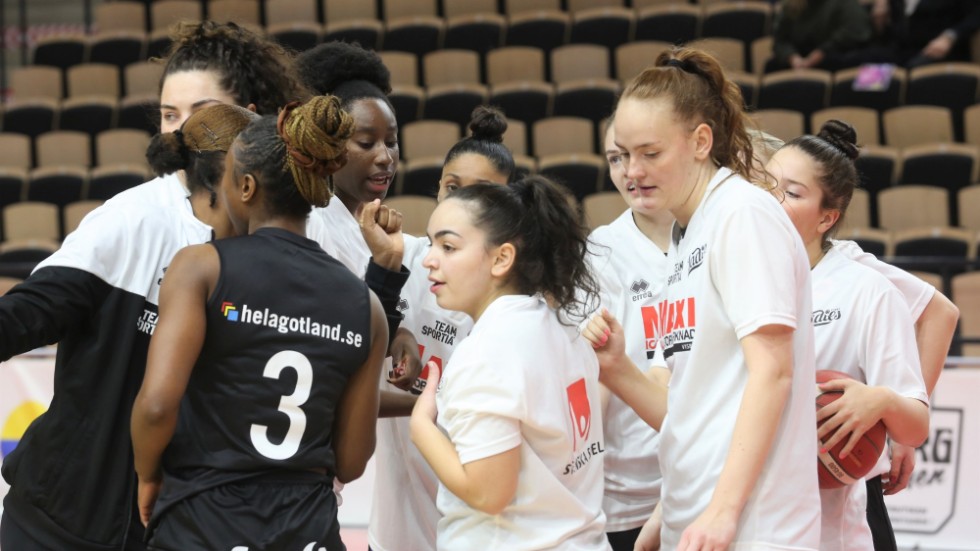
x: 348, y: 201
x: 685, y: 211
x: 496, y: 293
x: 815, y: 251
x: 288, y: 223
x: 203, y: 211
x: 656, y: 227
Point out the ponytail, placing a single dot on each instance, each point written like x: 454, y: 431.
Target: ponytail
x: 551, y: 243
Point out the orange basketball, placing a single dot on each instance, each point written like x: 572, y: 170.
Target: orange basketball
x: 834, y: 472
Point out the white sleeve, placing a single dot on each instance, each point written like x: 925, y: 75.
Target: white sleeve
x: 484, y: 408
x: 889, y: 355
x: 754, y: 267
x: 100, y: 244
x: 917, y: 293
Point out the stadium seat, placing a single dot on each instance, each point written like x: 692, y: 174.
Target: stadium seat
x: 913, y: 206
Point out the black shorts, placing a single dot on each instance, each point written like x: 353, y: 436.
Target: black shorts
x: 255, y: 515
x: 878, y: 520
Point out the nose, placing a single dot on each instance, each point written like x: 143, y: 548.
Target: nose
x: 429, y: 261
x: 632, y: 169
x: 385, y: 156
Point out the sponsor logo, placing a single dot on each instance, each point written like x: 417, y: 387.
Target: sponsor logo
x: 696, y: 258
x: 163, y: 273
x: 289, y: 324
x: 580, y: 411
x: 824, y: 317
x: 440, y: 331
x: 402, y: 305
x: 639, y: 286
x: 677, y: 274
x: 147, y: 323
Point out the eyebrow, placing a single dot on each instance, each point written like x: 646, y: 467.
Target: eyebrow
x: 441, y: 233
x: 194, y: 105
x: 642, y: 145
x: 791, y: 182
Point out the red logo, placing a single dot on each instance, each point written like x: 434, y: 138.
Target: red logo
x: 580, y: 410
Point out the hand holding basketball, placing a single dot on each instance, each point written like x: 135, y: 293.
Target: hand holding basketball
x: 851, y: 415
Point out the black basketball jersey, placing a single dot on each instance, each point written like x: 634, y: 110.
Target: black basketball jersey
x: 287, y: 325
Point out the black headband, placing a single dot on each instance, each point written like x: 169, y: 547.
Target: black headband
x: 685, y: 66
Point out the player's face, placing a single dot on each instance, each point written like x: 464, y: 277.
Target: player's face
x: 229, y: 198
x: 796, y: 175
x: 459, y: 260
x: 660, y: 155
x: 186, y: 92
x: 468, y: 169
x: 372, y: 154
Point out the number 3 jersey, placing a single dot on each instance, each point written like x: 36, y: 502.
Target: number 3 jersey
x: 287, y: 326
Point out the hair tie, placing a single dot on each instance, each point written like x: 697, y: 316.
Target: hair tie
x: 302, y: 160
x: 682, y: 65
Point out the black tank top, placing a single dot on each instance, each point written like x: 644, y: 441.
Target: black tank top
x: 287, y: 325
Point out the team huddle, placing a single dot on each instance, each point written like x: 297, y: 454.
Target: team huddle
x: 508, y: 371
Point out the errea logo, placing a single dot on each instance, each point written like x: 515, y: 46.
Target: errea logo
x: 639, y: 286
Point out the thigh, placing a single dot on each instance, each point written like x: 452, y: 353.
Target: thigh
x: 12, y: 536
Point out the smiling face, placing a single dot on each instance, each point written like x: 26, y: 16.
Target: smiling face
x: 461, y: 263
x: 798, y: 183
x: 467, y: 169
x: 663, y: 157
x: 186, y: 92
x: 372, y: 154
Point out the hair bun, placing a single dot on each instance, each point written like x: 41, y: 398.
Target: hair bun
x: 840, y: 135
x: 331, y: 64
x: 167, y: 153
x: 488, y: 124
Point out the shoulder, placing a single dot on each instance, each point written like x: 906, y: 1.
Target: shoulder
x: 166, y: 190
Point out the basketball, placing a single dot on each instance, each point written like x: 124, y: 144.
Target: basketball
x: 834, y: 472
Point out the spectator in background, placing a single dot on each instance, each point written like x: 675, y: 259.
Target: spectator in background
x: 819, y: 34
x: 919, y: 32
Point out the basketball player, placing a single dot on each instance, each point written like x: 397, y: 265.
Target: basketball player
x: 516, y: 439
x: 861, y: 326
x: 276, y: 393
x: 734, y: 322
x: 630, y: 263
x: 71, y: 476
x: 403, y: 509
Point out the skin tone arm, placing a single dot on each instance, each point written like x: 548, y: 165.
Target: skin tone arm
x: 646, y: 392
x: 769, y: 361
x: 357, y: 412
x: 487, y: 485
x: 174, y: 349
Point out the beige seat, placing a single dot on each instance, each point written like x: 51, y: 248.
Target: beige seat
x: 602, y: 208
x: 730, y: 52
x: 121, y: 145
x: 93, y: 79
x: 15, y: 151
x: 966, y: 296
x: 579, y: 62
x: 399, y: 9
x: 349, y: 10
x: 917, y: 124
x: 512, y: 7
x: 782, y: 123
x: 858, y: 214
x: 166, y: 13
x: 31, y: 220
x: 515, y: 137
x: 760, y: 51
x: 64, y: 147
x: 428, y: 138
x: 36, y: 82
x: 415, y: 209
x: 580, y: 5
x: 143, y: 78
x: 404, y: 67
x: 563, y: 135
x: 290, y: 11
x: 881, y: 239
x: 455, y: 8
x: 863, y: 119
x: 240, y: 11
x: 444, y: 67
x: 74, y: 212
x: 120, y: 16
x: 968, y: 203
x: 935, y: 280
x: 913, y: 206
x: 8, y: 283
x: 515, y: 64
x: 971, y: 124
x: 632, y: 58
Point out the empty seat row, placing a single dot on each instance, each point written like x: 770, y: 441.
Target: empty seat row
x: 40, y: 226
x: 914, y: 206
x: 73, y: 148
x: 87, y: 79
x: 89, y: 114
x: 61, y: 185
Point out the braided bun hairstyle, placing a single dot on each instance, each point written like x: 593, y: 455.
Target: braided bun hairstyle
x: 487, y: 127
x: 199, y: 147
x: 292, y: 156
x: 834, y: 150
x: 251, y: 68
x: 534, y: 215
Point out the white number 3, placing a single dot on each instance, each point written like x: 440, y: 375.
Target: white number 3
x: 290, y: 405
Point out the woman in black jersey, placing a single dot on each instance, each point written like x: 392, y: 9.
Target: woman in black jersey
x: 274, y: 373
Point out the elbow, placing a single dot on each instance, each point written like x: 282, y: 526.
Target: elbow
x: 148, y: 412
x: 491, y: 503
x: 350, y: 469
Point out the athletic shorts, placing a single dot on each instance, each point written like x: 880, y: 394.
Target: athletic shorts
x: 267, y: 514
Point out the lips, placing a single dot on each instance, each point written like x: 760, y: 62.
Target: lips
x: 436, y: 285
x: 380, y: 181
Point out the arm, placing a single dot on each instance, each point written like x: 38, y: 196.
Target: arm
x: 46, y: 307
x: 487, y: 484
x: 407, y: 365
x: 174, y: 349
x: 396, y: 404
x: 381, y: 229
x: 646, y: 392
x: 357, y: 414
x: 769, y: 360
x: 906, y: 419
x: 649, y: 537
x: 933, y: 334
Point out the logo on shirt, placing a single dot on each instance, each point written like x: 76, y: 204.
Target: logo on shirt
x: 696, y: 258
x: 824, y: 317
x: 676, y: 275
x: 440, y: 331
x: 160, y: 279
x: 581, y: 413
x: 402, y: 305
x: 641, y: 290
x: 678, y: 320
x: 147, y: 323
x: 229, y: 311
x: 651, y: 328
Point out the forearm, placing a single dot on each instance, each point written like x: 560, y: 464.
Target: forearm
x: 387, y: 284
x: 396, y: 404
x: 933, y: 334
x: 643, y: 392
x: 152, y: 428
x: 906, y: 419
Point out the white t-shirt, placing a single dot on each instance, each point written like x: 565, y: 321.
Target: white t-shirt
x: 632, y: 272
x: 523, y: 380
x: 861, y: 327
x: 337, y: 231
x: 162, y: 191
x: 740, y: 266
x: 403, y: 510
x: 917, y: 293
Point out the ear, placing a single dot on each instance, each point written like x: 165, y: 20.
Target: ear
x: 703, y: 141
x: 827, y: 221
x: 503, y: 260
x: 252, y: 107
x: 249, y: 189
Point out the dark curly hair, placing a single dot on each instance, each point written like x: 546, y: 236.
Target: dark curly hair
x: 534, y: 215
x: 346, y: 71
x: 253, y: 69
x: 487, y: 127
